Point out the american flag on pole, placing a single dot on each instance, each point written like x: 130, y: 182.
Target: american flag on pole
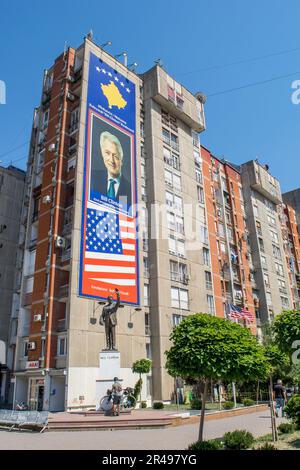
x: 242, y: 313
x: 110, y: 247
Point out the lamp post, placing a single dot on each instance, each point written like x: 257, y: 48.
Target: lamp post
x: 132, y: 311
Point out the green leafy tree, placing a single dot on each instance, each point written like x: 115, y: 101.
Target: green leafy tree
x: 286, y: 329
x: 142, y: 366
x: 211, y: 348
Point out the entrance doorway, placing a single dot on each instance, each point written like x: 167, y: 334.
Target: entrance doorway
x: 36, y: 394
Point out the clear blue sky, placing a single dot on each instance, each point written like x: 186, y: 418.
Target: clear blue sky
x: 253, y: 122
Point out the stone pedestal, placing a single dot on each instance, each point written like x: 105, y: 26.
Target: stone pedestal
x: 109, y: 367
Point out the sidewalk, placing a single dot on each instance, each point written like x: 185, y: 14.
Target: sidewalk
x: 175, y: 437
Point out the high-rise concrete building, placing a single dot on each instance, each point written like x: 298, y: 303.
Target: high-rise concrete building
x: 59, y: 336
x: 11, y: 198
x: 263, y: 200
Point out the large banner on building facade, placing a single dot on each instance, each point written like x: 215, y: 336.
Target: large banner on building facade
x: 109, y: 245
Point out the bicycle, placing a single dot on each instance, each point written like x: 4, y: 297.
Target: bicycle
x: 128, y: 401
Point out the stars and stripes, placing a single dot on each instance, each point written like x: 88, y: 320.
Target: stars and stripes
x: 234, y: 312
x: 110, y: 247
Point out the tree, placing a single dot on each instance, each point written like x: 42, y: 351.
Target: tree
x: 286, y: 329
x: 212, y: 348
x: 142, y: 366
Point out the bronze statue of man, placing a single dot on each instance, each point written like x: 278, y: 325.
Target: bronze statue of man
x: 108, y: 318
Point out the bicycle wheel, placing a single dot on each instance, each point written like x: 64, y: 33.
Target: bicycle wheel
x: 106, y: 403
x: 129, y: 402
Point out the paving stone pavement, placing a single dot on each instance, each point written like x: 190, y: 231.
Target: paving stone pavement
x: 172, y: 438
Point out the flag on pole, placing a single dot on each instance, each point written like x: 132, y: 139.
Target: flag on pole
x: 240, y: 313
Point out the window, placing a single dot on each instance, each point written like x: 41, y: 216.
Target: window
x: 174, y: 142
x: 274, y: 236
x: 177, y: 319
x: 269, y: 298
x: 176, y: 247
x: 25, y: 348
x: 172, y: 180
x: 146, y: 267
x: 269, y: 205
x: 195, y: 138
x: 263, y: 260
x: 40, y: 161
x: 199, y: 176
x: 206, y: 256
x: 261, y: 245
x: 178, y: 271
x: 43, y: 346
x: 271, y: 220
x: 258, y: 227
x: 179, y: 298
x: 276, y: 251
x: 255, y: 211
x: 208, y: 280
x: 279, y: 269
x: 266, y: 280
x: 204, y: 234
x: 62, y: 346
x: 221, y: 230
x: 200, y: 193
x: 146, y: 295
x: 45, y: 119
x: 74, y: 120
x: 169, y: 199
x: 197, y: 158
x: 284, y: 302
x: 211, y: 304
x: 148, y: 351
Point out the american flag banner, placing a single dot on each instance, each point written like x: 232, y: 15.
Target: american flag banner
x: 240, y: 313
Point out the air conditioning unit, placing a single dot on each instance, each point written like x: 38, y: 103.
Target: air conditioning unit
x: 70, y: 96
x: 70, y: 79
x: 52, y: 148
x: 60, y: 242
x: 47, y: 199
x: 31, y: 346
x: 37, y: 317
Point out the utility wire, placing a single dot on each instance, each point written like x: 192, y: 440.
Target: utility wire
x: 262, y: 82
x: 15, y: 148
x: 242, y: 61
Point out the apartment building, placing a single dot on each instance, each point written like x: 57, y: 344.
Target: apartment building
x: 11, y: 198
x: 263, y: 200
x: 59, y: 336
x: 232, y: 269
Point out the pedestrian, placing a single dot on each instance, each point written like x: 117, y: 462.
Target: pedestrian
x: 117, y: 395
x: 279, y: 395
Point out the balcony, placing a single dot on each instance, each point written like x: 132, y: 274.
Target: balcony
x: 67, y: 228
x: 64, y: 291
x: 66, y: 254
x: 61, y: 325
x: 261, y: 181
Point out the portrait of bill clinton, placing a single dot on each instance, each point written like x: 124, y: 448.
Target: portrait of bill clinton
x: 111, y: 168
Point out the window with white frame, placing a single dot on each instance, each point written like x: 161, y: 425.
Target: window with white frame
x: 274, y: 236
x: 62, y: 346
x: 208, y: 280
x: 211, y: 304
x: 179, y: 298
x: 279, y: 269
x: 276, y: 251
x: 200, y: 194
x: 203, y: 234
x: 146, y: 295
x: 199, y: 176
x: 206, y: 256
x: 177, y: 319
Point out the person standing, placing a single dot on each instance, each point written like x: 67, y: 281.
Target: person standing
x: 279, y: 395
x: 117, y: 395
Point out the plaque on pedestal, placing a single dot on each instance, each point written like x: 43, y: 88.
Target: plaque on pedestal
x: 109, y: 367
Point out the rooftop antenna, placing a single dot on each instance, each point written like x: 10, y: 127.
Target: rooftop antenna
x: 90, y: 35
x: 159, y: 63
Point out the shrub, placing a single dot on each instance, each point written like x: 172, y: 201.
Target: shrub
x: 292, y: 410
x: 238, y: 440
x: 266, y: 446
x: 195, y: 404
x: 158, y: 405
x: 248, y: 402
x: 286, y: 428
x: 212, y: 444
x: 228, y: 405
x: 143, y: 404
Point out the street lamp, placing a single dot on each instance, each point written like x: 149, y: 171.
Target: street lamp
x: 137, y: 309
x: 124, y: 54
x: 108, y: 43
